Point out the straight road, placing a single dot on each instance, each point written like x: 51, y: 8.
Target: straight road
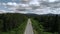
x: 29, y: 28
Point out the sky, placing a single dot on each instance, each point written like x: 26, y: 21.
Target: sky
x: 17, y: 5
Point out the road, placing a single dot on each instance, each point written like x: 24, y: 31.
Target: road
x: 29, y: 29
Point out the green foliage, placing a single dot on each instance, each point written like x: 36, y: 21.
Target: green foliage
x: 12, y: 23
x: 1, y: 24
x: 38, y: 27
x: 19, y: 30
x: 49, y: 24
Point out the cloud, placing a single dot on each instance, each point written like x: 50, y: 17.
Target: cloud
x: 34, y: 2
x: 26, y: 8
x: 50, y: 0
x: 2, y: 11
x: 12, y: 3
x: 12, y: 6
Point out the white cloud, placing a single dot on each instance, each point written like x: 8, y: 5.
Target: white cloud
x: 12, y: 3
x: 53, y: 0
x: 34, y: 2
x: 50, y: 0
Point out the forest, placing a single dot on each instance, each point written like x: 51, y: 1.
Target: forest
x: 46, y: 24
x: 13, y: 23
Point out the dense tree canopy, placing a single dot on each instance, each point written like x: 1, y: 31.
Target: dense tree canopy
x: 10, y: 21
x: 49, y: 22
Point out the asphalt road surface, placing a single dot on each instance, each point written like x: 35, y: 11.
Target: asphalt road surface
x: 29, y: 29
